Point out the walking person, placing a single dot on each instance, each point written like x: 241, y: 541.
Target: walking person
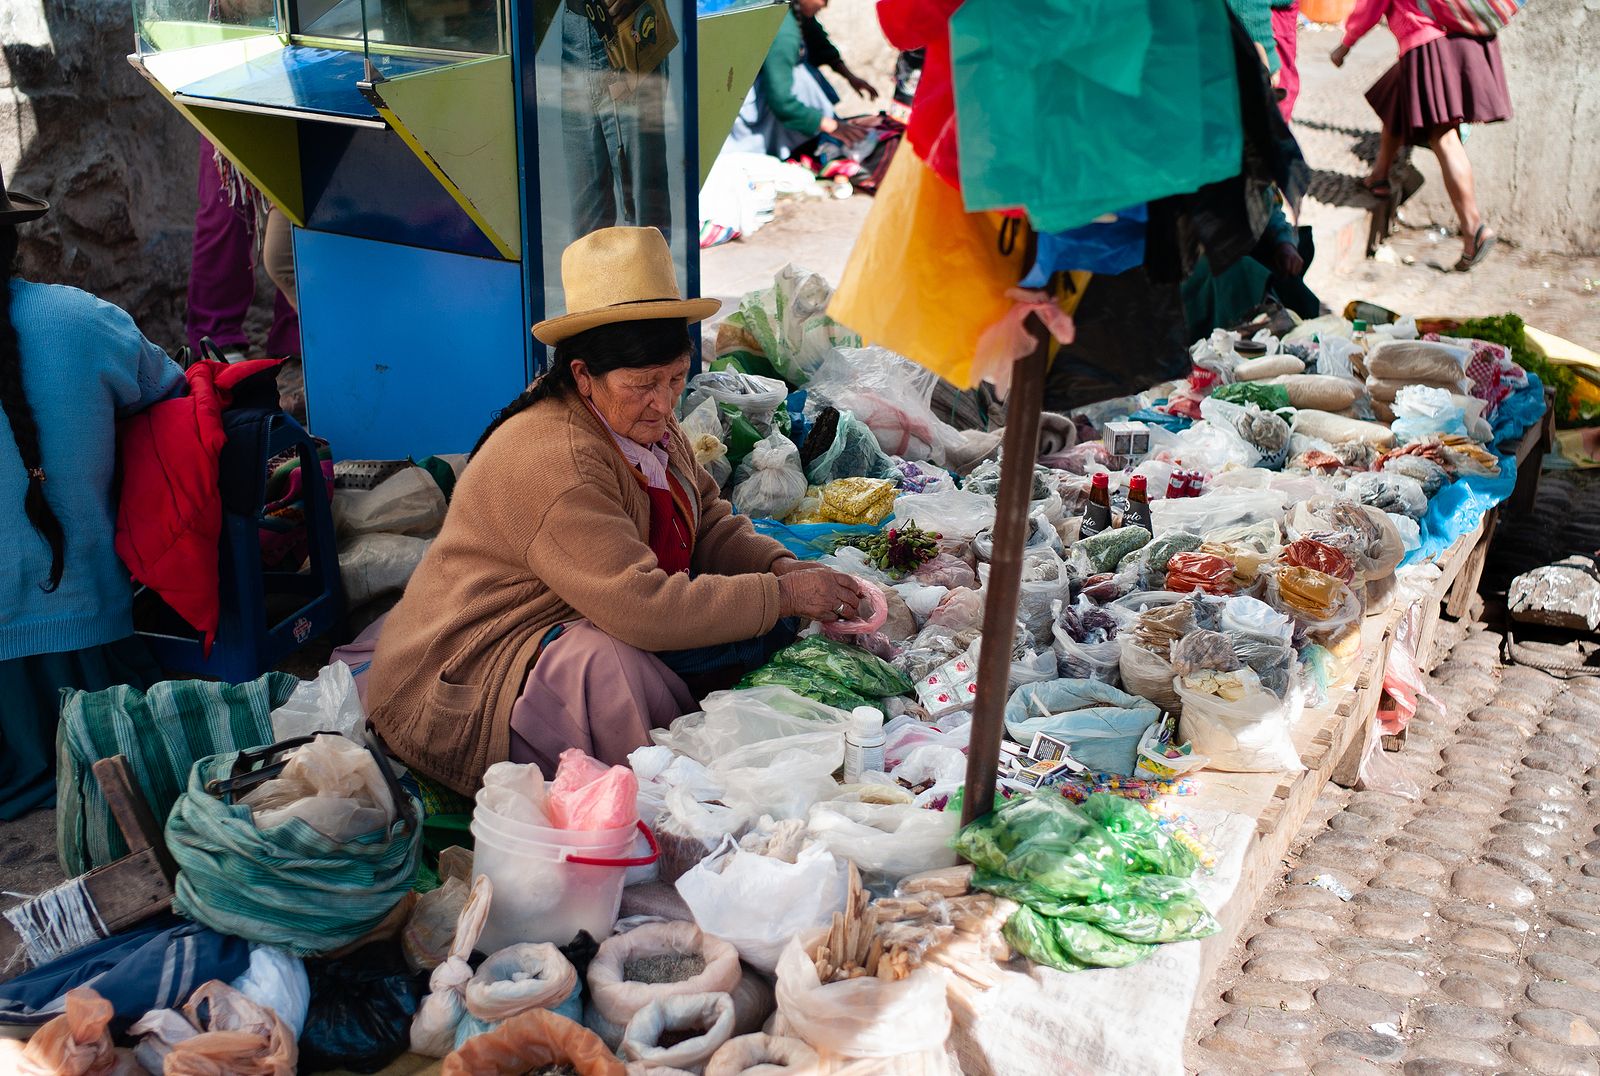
x: 1285, y: 34
x: 1441, y: 81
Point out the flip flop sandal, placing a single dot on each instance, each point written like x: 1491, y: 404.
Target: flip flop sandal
x: 1480, y: 250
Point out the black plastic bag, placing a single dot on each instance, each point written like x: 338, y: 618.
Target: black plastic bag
x: 361, y: 1009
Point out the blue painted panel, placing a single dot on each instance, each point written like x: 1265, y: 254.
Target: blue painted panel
x: 306, y: 79
x: 407, y: 351
x: 364, y: 182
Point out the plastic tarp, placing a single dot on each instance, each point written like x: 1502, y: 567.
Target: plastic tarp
x: 1458, y: 507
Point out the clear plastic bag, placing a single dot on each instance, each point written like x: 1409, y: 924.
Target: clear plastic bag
x: 1250, y: 734
x: 433, y: 1029
x: 426, y: 938
x: 841, y: 446
x: 1388, y: 491
x: 757, y: 398
x: 1261, y: 430
x: 1211, y: 446
x: 689, y: 829
x: 891, y: 394
x: 758, y: 904
x: 332, y: 784
x: 1422, y: 412
x: 330, y: 703
x: 787, y: 324
x: 704, y: 430
x: 886, y: 842
x: 954, y: 515
x: 781, y: 777
x: 1148, y: 675
x: 1210, y: 511
x: 1044, y: 582
x: 769, y: 483
x: 1084, y: 660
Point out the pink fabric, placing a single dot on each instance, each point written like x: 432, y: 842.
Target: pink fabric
x: 357, y: 654
x: 1009, y: 340
x: 589, y: 691
x: 1285, y: 30
x: 1407, y: 23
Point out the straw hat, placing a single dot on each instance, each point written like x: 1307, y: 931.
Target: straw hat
x: 16, y: 208
x: 619, y: 274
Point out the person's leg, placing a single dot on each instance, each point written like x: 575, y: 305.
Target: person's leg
x: 589, y: 691
x: 1285, y: 34
x: 1388, y: 150
x: 1457, y: 172
x: 221, y: 276
x: 586, y: 110
x: 277, y: 255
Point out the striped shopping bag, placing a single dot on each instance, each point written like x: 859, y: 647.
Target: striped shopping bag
x: 1480, y: 18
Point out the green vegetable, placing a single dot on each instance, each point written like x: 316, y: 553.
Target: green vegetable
x: 1267, y: 397
x: 1106, y: 549
x: 1153, y: 575
x: 808, y: 682
x: 897, y: 551
x: 850, y: 666
x: 1069, y: 945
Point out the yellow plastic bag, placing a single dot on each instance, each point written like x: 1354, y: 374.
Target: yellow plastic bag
x: 926, y: 277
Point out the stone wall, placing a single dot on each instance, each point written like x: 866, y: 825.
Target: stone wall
x: 1537, y: 175
x: 81, y: 129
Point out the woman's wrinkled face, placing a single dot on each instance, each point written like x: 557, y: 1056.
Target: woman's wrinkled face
x: 636, y: 403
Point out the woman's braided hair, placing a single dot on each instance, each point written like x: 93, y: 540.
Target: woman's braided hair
x: 19, y: 415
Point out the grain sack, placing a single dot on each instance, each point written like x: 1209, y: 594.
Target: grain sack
x: 1337, y: 429
x: 1319, y: 392
x: 1418, y: 361
x: 1268, y: 366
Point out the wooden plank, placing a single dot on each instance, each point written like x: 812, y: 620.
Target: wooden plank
x: 129, y: 891
x: 132, y: 815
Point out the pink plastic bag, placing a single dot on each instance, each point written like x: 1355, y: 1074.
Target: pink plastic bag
x: 877, y: 613
x: 589, y: 795
x: 1403, y: 685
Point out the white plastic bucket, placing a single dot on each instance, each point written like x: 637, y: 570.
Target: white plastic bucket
x: 551, y: 883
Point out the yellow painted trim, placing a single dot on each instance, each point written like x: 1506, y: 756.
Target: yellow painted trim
x: 511, y: 253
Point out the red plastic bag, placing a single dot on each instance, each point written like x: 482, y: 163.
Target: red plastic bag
x: 870, y: 617
x: 588, y: 795
x: 1199, y: 571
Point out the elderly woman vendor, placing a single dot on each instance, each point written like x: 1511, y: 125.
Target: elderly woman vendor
x: 584, y: 550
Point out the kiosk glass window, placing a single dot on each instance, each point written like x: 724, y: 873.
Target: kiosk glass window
x: 467, y: 26
x: 162, y: 25
x: 611, y: 132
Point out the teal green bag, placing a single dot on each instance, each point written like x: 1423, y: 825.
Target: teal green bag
x: 162, y: 732
x: 1074, y: 108
x: 288, y: 885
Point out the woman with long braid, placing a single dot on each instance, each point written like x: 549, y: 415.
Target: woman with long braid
x: 70, y: 366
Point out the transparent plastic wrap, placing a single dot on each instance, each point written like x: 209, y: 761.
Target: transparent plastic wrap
x: 1418, y: 362
x: 1262, y: 430
x: 1321, y: 392
x: 1200, y: 571
x: 1210, y: 511
x: 955, y: 515
x: 781, y: 777
x: 1319, y: 603
x: 1044, y: 581
x: 1431, y: 476
x: 1103, y: 552
x: 841, y: 446
x: 1388, y: 491
x: 891, y: 394
x: 886, y: 842
x: 1250, y: 732
x: 1337, y: 429
x: 757, y: 398
x: 769, y: 483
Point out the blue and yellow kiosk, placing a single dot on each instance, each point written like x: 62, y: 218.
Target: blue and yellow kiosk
x: 436, y: 156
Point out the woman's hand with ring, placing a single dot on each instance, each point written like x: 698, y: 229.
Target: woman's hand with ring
x: 820, y: 594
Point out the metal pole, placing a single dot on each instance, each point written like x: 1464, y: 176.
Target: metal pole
x: 1021, y: 451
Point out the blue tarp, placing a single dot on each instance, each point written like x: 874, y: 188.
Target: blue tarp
x: 808, y: 541
x: 1457, y: 508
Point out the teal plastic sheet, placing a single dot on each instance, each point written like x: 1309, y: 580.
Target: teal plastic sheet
x: 1100, y: 724
x: 1072, y: 109
x: 810, y: 541
x: 1458, y: 507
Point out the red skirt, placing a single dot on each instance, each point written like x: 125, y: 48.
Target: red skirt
x: 1446, y: 82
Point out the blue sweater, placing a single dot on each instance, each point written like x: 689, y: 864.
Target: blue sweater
x: 84, y: 365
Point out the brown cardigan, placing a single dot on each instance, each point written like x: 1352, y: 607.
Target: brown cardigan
x: 549, y: 525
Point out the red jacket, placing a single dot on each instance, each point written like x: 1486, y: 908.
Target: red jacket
x: 925, y: 24
x: 169, y: 517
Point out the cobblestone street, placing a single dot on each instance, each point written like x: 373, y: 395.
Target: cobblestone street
x: 1458, y: 932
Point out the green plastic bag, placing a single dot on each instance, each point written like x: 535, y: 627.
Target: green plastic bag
x: 1267, y: 397
x: 1070, y: 945
x: 1153, y: 910
x: 808, y: 682
x: 1105, y: 550
x: 851, y: 666
x: 742, y: 434
x: 1149, y: 848
x: 1042, y: 839
x: 1097, y: 106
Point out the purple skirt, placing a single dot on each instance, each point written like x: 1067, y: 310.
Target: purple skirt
x: 1444, y: 83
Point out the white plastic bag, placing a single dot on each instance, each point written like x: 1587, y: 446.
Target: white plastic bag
x: 1211, y: 446
x: 781, y: 777
x: 757, y: 903
x: 690, y: 827
x: 958, y: 515
x: 433, y: 1029
x: 703, y: 429
x: 885, y: 841
x: 762, y: 1055
x: 276, y: 979
x: 1148, y: 675
x: 706, y: 1018
x: 330, y: 703
x: 900, y: 1026
x: 1044, y: 582
x: 407, y: 502
x: 770, y: 482
x: 372, y: 565
x: 331, y: 784
x: 1253, y: 734
x: 1210, y: 511
x: 757, y: 398
x: 737, y: 718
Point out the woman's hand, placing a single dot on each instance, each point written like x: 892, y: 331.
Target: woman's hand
x: 783, y: 567
x: 848, y: 133
x: 821, y: 594
x: 1338, y: 55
